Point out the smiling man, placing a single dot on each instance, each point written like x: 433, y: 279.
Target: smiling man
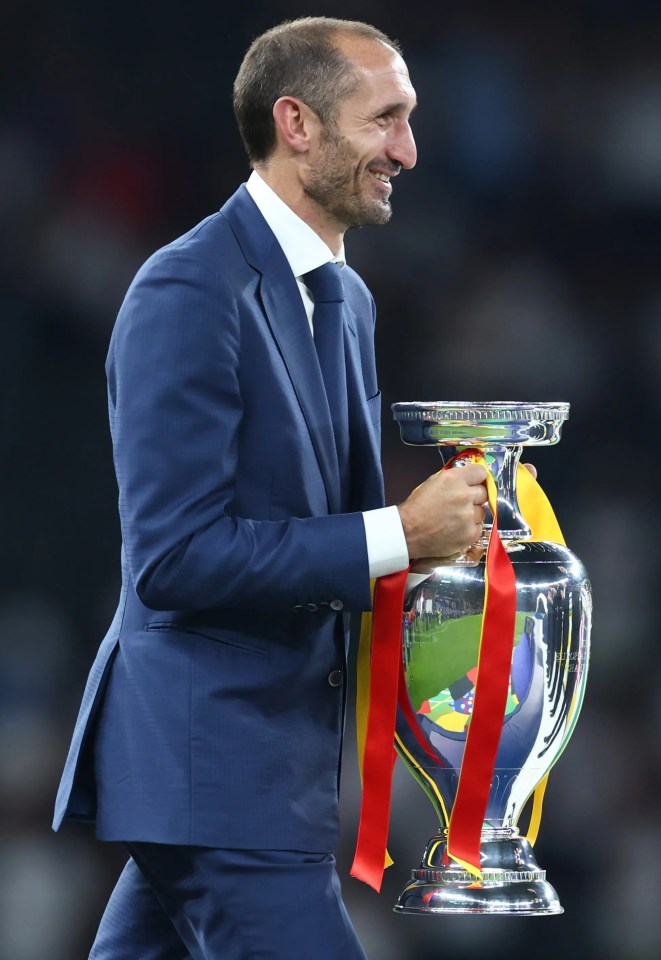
x: 244, y: 411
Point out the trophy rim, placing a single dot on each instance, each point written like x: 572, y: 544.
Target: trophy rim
x: 480, y: 411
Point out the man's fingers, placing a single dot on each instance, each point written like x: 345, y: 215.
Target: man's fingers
x: 474, y: 473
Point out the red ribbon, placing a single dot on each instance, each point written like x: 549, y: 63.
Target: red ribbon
x: 369, y: 860
x: 489, y: 704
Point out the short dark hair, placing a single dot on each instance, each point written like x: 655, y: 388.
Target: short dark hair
x: 298, y: 58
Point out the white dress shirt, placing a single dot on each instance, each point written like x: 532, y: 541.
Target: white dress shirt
x: 305, y: 250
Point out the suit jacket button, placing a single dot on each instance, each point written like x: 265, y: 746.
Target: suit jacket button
x: 335, y: 678
x: 312, y: 607
x: 336, y: 605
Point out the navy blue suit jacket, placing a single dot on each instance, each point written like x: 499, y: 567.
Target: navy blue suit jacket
x: 208, y: 717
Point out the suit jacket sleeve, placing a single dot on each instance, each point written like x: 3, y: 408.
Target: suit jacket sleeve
x: 176, y: 374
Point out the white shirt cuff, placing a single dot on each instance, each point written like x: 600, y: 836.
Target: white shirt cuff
x: 386, y: 544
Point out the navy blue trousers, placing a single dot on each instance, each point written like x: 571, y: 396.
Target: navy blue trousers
x: 197, y: 903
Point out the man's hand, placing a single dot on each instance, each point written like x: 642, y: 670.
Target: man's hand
x: 444, y: 516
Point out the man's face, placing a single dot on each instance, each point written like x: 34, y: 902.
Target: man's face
x: 370, y: 141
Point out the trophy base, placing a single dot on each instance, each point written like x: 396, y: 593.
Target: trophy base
x: 512, y: 884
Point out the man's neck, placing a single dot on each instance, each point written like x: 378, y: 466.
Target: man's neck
x: 290, y: 190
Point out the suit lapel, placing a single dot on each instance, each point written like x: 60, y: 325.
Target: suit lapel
x: 285, y: 314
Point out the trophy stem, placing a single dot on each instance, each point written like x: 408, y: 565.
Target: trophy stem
x: 512, y: 883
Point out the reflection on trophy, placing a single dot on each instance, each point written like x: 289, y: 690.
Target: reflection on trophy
x: 442, y: 624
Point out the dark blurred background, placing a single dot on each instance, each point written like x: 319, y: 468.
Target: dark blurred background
x: 522, y: 262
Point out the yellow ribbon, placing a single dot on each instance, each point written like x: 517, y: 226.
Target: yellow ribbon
x: 541, y: 519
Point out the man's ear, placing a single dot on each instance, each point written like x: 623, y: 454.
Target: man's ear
x: 295, y: 123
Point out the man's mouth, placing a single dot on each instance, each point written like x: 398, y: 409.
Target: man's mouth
x: 384, y: 179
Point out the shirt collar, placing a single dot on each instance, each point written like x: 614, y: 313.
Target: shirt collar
x: 303, y: 248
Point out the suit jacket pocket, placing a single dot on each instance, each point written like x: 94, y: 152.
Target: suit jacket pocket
x: 231, y: 638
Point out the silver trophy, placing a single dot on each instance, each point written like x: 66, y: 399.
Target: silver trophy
x: 441, y: 631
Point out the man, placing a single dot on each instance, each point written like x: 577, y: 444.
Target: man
x: 252, y: 516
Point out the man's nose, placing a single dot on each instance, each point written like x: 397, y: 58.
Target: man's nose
x: 402, y: 148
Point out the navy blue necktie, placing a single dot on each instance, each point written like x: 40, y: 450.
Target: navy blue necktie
x: 325, y: 284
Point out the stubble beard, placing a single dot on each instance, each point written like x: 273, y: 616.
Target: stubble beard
x: 335, y: 185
